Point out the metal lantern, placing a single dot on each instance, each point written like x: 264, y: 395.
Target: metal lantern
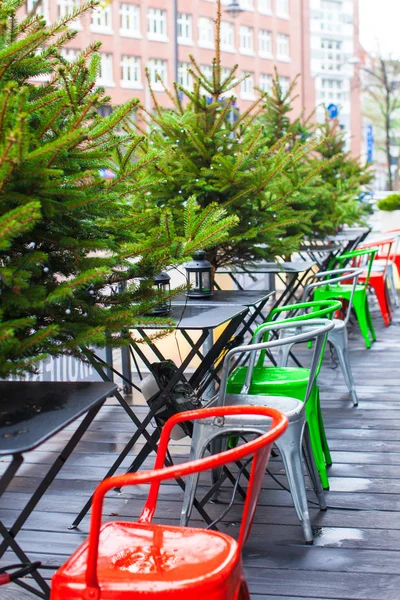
x: 234, y: 9
x: 199, y: 276
x: 163, y: 288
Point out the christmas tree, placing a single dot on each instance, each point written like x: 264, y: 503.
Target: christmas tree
x: 344, y: 181
x: 219, y: 156
x: 68, y: 236
x: 331, y: 199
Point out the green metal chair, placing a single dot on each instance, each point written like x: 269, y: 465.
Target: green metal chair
x: 292, y: 381
x: 363, y: 257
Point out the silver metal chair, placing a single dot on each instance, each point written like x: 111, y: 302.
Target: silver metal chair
x: 291, y: 442
x: 337, y: 336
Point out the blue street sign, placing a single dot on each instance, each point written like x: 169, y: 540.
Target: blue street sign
x: 369, y: 137
x: 333, y: 111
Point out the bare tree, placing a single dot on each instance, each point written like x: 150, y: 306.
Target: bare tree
x: 382, y: 84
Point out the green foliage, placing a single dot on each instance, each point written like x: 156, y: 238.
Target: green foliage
x: 343, y: 181
x: 389, y: 203
x: 68, y: 236
x: 330, y: 198
x: 216, y: 155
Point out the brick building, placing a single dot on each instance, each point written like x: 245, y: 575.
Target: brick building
x: 316, y: 38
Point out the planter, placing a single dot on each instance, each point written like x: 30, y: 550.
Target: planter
x: 389, y: 219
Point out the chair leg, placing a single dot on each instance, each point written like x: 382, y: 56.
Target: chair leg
x: 197, y: 450
x: 369, y: 321
x: 315, y: 434
x: 379, y: 287
x: 361, y: 307
x: 312, y: 469
x: 324, y: 441
x: 289, y: 445
x: 339, y: 341
x: 393, y: 293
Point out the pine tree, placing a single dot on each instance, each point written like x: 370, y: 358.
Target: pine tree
x: 343, y: 182
x: 69, y: 236
x: 329, y: 199
x: 219, y: 156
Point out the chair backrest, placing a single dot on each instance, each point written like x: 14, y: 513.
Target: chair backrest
x: 349, y: 275
x: 385, y: 248
x: 259, y: 447
x: 319, y: 331
x: 362, y: 257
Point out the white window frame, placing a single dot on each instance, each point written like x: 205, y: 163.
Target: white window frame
x: 184, y: 77
x: 282, y: 9
x: 265, y: 42
x: 106, y: 79
x: 247, y: 86
x: 129, y: 13
x: 284, y: 83
x: 227, y: 36
x: 246, y: 40
x: 69, y: 54
x: 283, y: 40
x: 103, y: 16
x: 65, y: 7
x: 332, y: 59
x: 157, y: 25
x: 247, y: 4
x: 332, y: 90
x: 43, y: 9
x: 265, y: 82
x: 206, y: 33
x: 131, y: 65
x: 330, y: 21
x: 185, y: 29
x: 160, y: 66
x: 265, y: 7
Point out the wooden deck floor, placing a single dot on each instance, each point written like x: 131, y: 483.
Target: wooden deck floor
x: 356, y: 554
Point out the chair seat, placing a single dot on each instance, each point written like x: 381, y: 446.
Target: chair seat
x: 336, y: 291
x: 289, y: 406
x: 151, y: 559
x: 271, y: 381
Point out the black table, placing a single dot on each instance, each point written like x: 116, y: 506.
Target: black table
x: 30, y: 414
x: 292, y: 274
x: 321, y: 253
x: 204, y: 319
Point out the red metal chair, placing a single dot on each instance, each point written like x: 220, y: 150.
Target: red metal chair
x: 378, y: 274
x: 122, y: 559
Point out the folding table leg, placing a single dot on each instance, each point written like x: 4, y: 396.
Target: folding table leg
x: 49, y: 477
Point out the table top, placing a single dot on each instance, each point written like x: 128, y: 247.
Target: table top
x: 321, y: 247
x: 32, y: 412
x: 298, y: 266
x: 349, y: 234
x: 198, y: 317
x: 226, y: 297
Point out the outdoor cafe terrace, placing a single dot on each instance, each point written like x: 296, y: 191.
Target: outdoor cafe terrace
x: 356, y: 550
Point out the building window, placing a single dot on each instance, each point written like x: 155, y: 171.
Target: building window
x: 157, y: 69
x: 246, y: 35
x: 332, y: 91
x: 184, y: 77
x: 207, y: 71
x: 206, y: 33
x: 38, y: 8
x: 282, y: 47
x: 185, y: 29
x: 330, y: 20
x: 265, y: 42
x: 66, y: 7
x: 130, y: 72
x: 157, y: 24
x: 130, y: 20
x: 332, y: 58
x: 69, y: 54
x: 247, y: 86
x: 106, y: 77
x: 284, y: 82
x: 266, y: 82
x: 265, y: 7
x: 101, y: 19
x: 227, y: 36
x: 247, y: 4
x: 282, y: 8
